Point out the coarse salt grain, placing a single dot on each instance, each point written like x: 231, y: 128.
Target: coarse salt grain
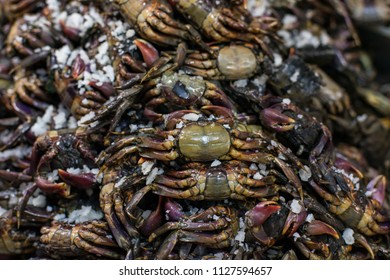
x: 191, y: 117
x: 310, y: 218
x: 85, y: 214
x: 348, y: 236
x: 215, y: 163
x: 296, y: 206
x: 153, y: 174
x: 146, y: 167
x: 305, y: 173
x: 2, y: 211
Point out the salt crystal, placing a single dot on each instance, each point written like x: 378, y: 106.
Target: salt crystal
x: 72, y: 122
x: 39, y: 201
x: 179, y: 125
x: 310, y: 218
x: 152, y: 175
x: 146, y: 167
x: 295, y: 76
x: 348, y: 236
x: 305, y: 173
x: 59, y: 217
x: 2, y: 211
x: 286, y: 101
x: 85, y: 214
x: 215, y: 163
x: 146, y: 213
x: 289, y: 20
x: 253, y: 166
x: 130, y: 33
x: 86, y: 118
x: 277, y: 59
x: 296, y: 206
x: 191, y: 117
x: 257, y: 176
x: 241, y: 83
x: 296, y: 235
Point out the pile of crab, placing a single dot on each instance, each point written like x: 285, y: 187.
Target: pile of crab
x: 193, y: 129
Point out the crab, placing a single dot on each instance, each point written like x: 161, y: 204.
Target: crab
x: 227, y: 21
x: 15, y: 241
x: 61, y: 152
x: 229, y: 180
x: 356, y: 210
x: 230, y: 62
x: 214, y: 227
x: 211, y: 133
x: 62, y: 240
x: 153, y: 20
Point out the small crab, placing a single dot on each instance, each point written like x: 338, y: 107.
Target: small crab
x: 230, y: 62
x: 62, y: 152
x: 153, y: 20
x: 214, y: 227
x: 317, y: 240
x: 212, y: 133
x: 355, y: 209
x: 90, y: 238
x: 225, y: 21
x: 231, y: 179
x: 15, y: 241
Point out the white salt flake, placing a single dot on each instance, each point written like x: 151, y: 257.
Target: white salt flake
x: 257, y: 176
x: 39, y: 201
x: 296, y: 206
x: 348, y: 236
x: 310, y: 218
x: 86, y: 213
x: 146, y: 167
x: 191, y: 117
x: 241, y: 83
x: 215, y: 163
x: 305, y: 173
x: 2, y: 211
x: 153, y: 174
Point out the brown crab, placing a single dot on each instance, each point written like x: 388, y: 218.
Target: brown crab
x: 56, y: 151
x: 69, y: 241
x: 198, y: 181
x: 15, y: 241
x: 214, y: 227
x: 231, y: 62
x: 226, y: 21
x: 153, y: 20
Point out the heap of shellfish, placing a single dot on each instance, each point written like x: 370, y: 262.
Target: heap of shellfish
x: 172, y: 129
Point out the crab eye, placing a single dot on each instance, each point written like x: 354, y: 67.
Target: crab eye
x: 180, y: 90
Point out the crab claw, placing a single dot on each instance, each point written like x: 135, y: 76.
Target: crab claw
x: 348, y: 167
x: 78, y: 67
x: 293, y: 222
x: 173, y: 210
x: 154, y: 220
x: 257, y: 216
x: 81, y: 181
x: 318, y: 227
x: 48, y: 187
x: 148, y: 51
x: 377, y: 188
x: 261, y: 212
x: 276, y: 120
x: 106, y: 88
